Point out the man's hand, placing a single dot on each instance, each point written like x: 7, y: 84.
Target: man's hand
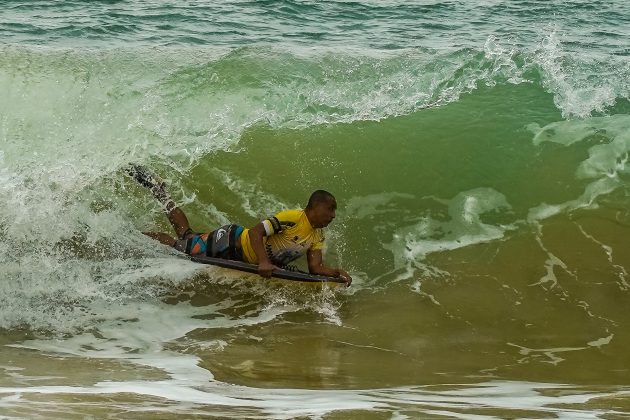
x: 265, y: 269
x: 344, y: 276
x: 316, y: 266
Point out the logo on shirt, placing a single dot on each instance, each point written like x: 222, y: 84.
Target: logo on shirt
x: 220, y: 234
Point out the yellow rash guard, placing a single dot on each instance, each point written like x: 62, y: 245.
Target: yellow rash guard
x: 288, y: 235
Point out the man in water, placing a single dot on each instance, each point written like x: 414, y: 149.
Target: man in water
x: 271, y: 244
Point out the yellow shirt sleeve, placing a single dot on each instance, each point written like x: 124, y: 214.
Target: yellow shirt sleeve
x: 318, y: 245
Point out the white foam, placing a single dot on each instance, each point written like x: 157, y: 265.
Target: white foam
x: 606, y: 161
x: 581, y: 84
x: 621, y: 271
x: 140, y: 331
x: 373, y: 204
x: 254, y: 201
x: 496, y: 397
x: 412, y: 244
x: 600, y: 342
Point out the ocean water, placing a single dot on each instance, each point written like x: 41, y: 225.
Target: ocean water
x: 479, y: 154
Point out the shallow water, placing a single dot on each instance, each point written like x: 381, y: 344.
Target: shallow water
x: 478, y: 154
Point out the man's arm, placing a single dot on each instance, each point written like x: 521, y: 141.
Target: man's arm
x: 316, y: 266
x: 265, y: 266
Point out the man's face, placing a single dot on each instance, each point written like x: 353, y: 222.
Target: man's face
x: 324, y: 213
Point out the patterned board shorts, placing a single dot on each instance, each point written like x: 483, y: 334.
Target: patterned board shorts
x: 220, y: 243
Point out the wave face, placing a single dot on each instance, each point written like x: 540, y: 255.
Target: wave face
x: 478, y: 153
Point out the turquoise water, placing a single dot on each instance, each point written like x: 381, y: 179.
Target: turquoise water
x: 478, y: 152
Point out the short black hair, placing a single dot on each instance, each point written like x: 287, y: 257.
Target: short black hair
x: 319, y: 196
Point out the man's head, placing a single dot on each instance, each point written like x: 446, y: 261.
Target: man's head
x: 321, y: 208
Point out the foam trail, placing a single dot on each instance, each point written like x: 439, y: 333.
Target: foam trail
x: 497, y: 396
x: 412, y: 244
x: 605, y: 164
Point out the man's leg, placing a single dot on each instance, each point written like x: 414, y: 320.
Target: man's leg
x: 175, y: 215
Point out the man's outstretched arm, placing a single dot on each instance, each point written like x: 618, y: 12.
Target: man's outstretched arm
x: 265, y: 266
x: 316, y: 266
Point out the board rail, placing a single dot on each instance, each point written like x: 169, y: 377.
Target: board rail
x: 279, y: 273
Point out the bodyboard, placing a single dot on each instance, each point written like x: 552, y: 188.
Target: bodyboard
x: 252, y: 268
